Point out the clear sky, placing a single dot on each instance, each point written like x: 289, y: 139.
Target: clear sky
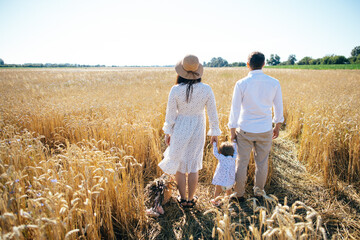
x: 161, y: 32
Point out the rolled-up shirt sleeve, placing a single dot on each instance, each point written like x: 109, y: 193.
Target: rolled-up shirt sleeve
x: 235, y: 107
x: 278, y: 107
x: 171, y: 113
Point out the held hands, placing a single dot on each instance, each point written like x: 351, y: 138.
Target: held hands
x: 167, y: 139
x: 214, y: 139
x: 233, y: 134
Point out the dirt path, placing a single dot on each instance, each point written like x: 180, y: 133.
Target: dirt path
x: 339, y: 210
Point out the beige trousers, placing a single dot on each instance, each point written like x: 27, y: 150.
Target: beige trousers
x: 261, y: 142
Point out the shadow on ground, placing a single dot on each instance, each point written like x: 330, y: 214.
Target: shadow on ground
x: 181, y: 223
x: 290, y: 180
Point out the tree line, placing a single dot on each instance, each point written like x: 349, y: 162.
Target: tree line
x: 329, y: 59
x: 220, y: 62
x: 49, y: 65
x: 274, y: 60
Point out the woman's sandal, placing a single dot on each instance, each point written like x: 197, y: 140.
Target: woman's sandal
x: 192, y: 203
x: 182, y: 202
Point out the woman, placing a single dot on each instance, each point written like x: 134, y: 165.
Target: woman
x: 184, y: 127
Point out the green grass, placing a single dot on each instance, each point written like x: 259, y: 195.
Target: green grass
x: 321, y: 67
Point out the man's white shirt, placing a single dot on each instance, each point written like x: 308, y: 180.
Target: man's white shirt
x: 253, y: 99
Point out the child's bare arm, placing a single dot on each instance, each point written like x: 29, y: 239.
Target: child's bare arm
x: 215, y: 150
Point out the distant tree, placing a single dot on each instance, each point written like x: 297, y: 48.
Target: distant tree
x: 354, y: 59
x: 305, y: 61
x: 326, y: 59
x: 339, y: 60
x: 237, y: 64
x: 35, y: 65
x: 355, y: 52
x: 291, y: 59
x: 273, y: 60
x: 315, y: 61
x: 334, y: 59
x: 217, y: 62
x: 1, y: 62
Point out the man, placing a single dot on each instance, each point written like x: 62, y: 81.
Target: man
x: 251, y: 120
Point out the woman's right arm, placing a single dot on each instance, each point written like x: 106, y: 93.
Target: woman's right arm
x: 171, y: 113
x: 214, y: 129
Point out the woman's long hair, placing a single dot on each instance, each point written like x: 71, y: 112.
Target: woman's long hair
x: 189, y: 87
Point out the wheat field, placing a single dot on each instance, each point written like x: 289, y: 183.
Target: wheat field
x: 77, y: 147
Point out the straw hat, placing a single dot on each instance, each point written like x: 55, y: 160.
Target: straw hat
x: 189, y: 68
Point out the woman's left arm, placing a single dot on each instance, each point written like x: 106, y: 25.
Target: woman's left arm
x: 213, y: 117
x: 171, y: 113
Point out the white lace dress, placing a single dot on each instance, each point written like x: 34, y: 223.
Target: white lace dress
x: 186, y: 123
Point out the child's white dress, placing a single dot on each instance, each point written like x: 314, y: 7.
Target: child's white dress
x: 225, y: 170
x: 186, y: 123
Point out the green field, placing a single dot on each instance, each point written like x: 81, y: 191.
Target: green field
x: 321, y: 67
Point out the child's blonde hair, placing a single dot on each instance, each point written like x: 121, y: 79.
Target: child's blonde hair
x: 226, y: 149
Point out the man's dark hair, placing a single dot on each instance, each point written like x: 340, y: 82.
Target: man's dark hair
x: 256, y: 60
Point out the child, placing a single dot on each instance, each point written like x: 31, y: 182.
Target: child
x: 158, y: 193
x: 224, y: 177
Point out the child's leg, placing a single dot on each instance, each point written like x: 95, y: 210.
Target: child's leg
x: 218, y: 191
